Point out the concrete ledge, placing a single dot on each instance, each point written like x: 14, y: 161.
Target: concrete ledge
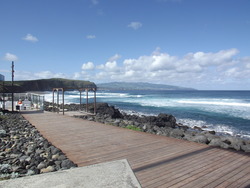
x: 117, y: 174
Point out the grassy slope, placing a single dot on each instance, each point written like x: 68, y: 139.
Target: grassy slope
x: 47, y: 84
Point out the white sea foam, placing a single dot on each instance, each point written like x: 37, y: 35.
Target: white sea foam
x: 74, y: 96
x: 131, y: 112
x: 231, y: 108
x: 215, y: 103
x: 218, y: 128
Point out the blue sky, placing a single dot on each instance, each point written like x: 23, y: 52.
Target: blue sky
x: 202, y: 44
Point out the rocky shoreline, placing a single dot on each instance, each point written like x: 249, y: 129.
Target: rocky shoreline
x: 24, y: 151
x: 163, y: 124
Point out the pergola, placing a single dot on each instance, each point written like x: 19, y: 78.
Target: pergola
x: 86, y: 89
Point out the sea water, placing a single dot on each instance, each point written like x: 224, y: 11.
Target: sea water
x: 226, y: 112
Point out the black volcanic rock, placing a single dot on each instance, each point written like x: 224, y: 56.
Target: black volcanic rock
x: 23, y: 150
x: 165, y: 120
x: 108, y: 111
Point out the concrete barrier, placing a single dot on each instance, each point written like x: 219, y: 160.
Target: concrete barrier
x: 117, y: 174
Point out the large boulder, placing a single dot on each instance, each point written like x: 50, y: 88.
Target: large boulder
x: 218, y: 143
x: 108, y: 111
x: 200, y: 139
x: 246, y: 148
x: 234, y: 142
x: 148, y: 119
x: 177, y: 133
x: 162, y: 120
x: 165, y: 120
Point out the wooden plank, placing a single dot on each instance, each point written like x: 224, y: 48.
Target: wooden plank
x: 233, y: 176
x: 243, y: 181
x: 195, y: 170
x: 179, y: 166
x: 209, y: 174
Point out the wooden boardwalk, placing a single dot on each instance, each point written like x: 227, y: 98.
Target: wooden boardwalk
x: 157, y: 161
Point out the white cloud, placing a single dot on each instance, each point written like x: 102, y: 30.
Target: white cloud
x: 94, y: 2
x: 26, y: 75
x: 197, y: 69
x: 193, y: 69
x: 100, y: 66
x: 208, y: 59
x: 88, y: 66
x: 77, y: 75
x: 248, y: 65
x: 232, y: 72
x: 30, y: 38
x: 90, y: 36
x: 135, y: 25
x: 10, y: 57
x: 111, y: 66
x: 115, y: 57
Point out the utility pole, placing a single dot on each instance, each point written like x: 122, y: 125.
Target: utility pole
x: 3, y: 92
x: 3, y: 95
x: 12, y: 84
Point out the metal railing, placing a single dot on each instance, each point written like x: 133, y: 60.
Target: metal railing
x: 22, y: 101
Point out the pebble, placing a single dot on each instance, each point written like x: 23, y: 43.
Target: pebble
x: 56, y: 156
x: 48, y: 169
x: 23, y: 150
x: 41, y: 165
x: 2, y: 133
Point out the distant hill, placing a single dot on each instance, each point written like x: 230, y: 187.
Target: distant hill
x: 45, y: 85
x: 138, y: 86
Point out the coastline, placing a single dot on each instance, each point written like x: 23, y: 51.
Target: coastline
x: 222, y: 111
x: 163, y: 124
x: 25, y: 152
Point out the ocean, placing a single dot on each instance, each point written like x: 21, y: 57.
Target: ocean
x: 226, y: 112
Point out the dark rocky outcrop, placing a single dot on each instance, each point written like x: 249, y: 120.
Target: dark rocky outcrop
x: 107, y: 111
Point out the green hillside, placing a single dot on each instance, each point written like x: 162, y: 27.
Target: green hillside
x: 45, y: 85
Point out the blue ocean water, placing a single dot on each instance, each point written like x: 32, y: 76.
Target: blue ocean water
x: 223, y: 111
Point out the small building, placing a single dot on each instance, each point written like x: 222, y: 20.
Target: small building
x: 1, y: 77
x: 22, y: 101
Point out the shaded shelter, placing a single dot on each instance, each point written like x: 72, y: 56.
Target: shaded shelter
x: 62, y: 90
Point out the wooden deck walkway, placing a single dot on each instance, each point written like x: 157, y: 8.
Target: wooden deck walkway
x: 157, y: 161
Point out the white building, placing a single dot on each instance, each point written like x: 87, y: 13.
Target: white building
x: 1, y: 77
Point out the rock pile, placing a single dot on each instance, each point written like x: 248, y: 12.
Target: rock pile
x: 23, y: 150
